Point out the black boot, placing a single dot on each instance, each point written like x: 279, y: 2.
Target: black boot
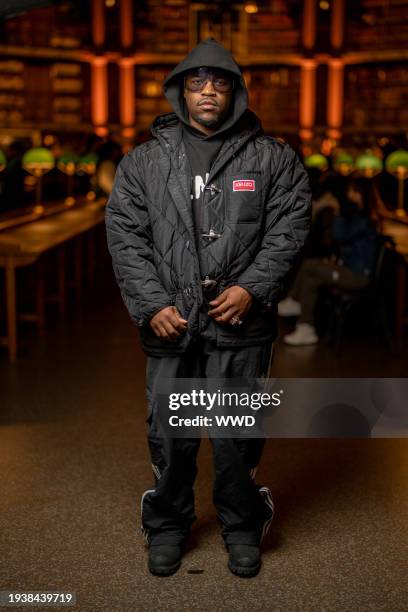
x: 165, y: 559
x: 244, y: 559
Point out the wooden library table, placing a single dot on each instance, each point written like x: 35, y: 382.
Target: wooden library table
x: 23, y: 245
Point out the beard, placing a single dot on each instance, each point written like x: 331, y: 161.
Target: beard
x: 211, y: 122
x: 215, y: 120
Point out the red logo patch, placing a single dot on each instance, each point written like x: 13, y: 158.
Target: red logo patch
x: 243, y: 185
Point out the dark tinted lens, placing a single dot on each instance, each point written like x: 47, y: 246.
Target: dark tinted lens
x: 196, y: 80
x: 223, y: 83
x: 195, y: 83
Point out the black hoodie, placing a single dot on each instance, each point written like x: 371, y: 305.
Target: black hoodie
x: 201, y: 149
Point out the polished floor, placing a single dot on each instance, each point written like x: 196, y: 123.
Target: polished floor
x: 74, y: 464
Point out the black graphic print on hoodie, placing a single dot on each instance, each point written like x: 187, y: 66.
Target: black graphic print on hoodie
x: 201, y: 149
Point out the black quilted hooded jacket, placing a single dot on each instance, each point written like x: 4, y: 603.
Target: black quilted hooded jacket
x: 256, y: 218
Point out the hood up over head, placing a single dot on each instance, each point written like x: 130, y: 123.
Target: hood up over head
x: 207, y: 53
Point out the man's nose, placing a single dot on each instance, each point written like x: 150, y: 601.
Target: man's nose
x: 208, y: 88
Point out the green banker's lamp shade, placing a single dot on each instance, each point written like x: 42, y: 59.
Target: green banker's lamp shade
x: 87, y: 163
x: 343, y: 163
x: 3, y: 161
x: 368, y: 165
x: 316, y: 160
x: 397, y: 165
x: 67, y: 163
x: 38, y: 161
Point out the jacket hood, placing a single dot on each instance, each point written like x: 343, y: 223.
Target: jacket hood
x: 207, y: 53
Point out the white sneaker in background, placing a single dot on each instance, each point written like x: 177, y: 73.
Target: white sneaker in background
x: 289, y: 308
x: 304, y: 334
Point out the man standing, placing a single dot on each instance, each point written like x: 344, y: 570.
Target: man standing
x: 204, y: 222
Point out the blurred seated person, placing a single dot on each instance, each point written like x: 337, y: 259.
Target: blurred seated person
x: 325, y: 204
x: 354, y: 244
x: 109, y: 155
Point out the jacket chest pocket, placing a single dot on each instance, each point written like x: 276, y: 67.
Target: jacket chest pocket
x: 244, y: 197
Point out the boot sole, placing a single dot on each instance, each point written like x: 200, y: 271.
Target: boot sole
x: 245, y: 572
x: 166, y: 570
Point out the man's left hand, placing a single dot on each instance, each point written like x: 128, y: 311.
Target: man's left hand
x: 233, y: 302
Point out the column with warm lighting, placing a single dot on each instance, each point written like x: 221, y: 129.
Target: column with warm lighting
x: 126, y: 23
x: 307, y: 98
x: 99, y: 77
x: 99, y: 95
x: 335, y: 98
x: 127, y: 96
x: 126, y: 72
x: 309, y: 24
x: 98, y: 23
x: 337, y: 24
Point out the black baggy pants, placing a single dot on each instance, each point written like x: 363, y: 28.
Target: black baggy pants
x: 244, y: 509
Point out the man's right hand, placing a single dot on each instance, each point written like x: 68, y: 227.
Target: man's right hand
x: 168, y: 323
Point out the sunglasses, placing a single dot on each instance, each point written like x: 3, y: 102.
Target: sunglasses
x: 222, y: 81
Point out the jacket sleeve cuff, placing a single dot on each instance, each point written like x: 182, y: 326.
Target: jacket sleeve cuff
x: 266, y: 295
x: 141, y: 316
x: 250, y: 290
x: 150, y: 316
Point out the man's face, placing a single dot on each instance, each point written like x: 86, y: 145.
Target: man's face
x: 208, y: 94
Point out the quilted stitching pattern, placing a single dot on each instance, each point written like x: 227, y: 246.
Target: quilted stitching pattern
x: 149, y: 224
